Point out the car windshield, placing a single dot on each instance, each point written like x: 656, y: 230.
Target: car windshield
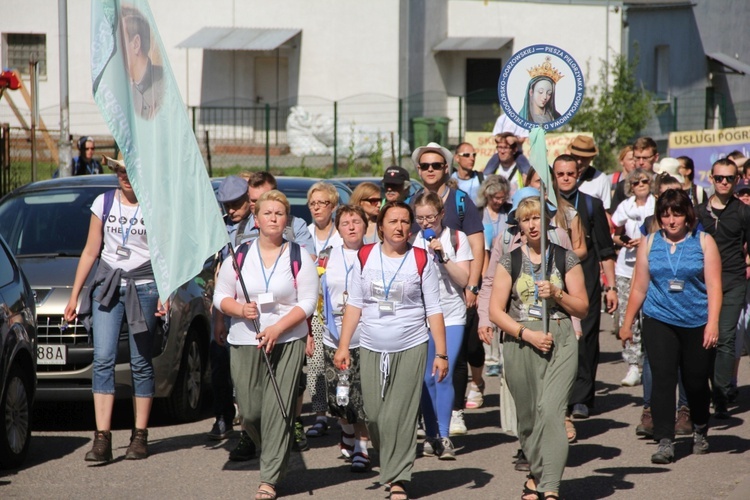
x: 48, y: 222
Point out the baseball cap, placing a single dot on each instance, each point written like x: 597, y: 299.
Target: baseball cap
x: 395, y: 175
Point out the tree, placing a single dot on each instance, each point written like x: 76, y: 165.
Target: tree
x: 614, y: 113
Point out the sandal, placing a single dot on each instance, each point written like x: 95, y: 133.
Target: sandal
x: 475, y: 398
x: 398, y: 494
x: 570, y: 430
x: 264, y: 494
x: 360, y: 463
x: 319, y: 428
x: 347, y: 450
x: 551, y: 495
x: 528, y: 493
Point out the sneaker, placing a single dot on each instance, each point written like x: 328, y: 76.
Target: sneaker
x: 683, y: 426
x: 245, y: 449
x: 138, y: 448
x: 458, y: 426
x: 300, y: 440
x: 665, y: 453
x: 580, y: 410
x: 646, y: 427
x: 220, y: 430
x: 447, y: 452
x: 431, y: 447
x: 700, y: 443
x: 632, y: 378
x: 721, y: 412
x: 101, y: 451
x: 475, y: 399
x: 521, y: 464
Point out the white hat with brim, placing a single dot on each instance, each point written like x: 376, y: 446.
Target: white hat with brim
x: 432, y: 147
x: 112, y: 163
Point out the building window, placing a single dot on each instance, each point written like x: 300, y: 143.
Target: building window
x: 20, y: 48
x: 661, y: 71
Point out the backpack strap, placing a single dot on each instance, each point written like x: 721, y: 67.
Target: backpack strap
x: 560, y: 256
x: 516, y: 259
x: 420, y: 255
x: 295, y: 260
x: 480, y: 177
x: 616, y: 177
x: 109, y: 200
x: 364, y: 253
x: 461, y: 205
x: 240, y: 253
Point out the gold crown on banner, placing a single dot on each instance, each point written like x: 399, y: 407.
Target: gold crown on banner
x: 545, y: 69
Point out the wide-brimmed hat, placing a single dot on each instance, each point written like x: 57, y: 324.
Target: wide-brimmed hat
x: 432, y: 147
x: 583, y: 146
x: 522, y: 194
x: 112, y: 163
x: 667, y: 165
x: 232, y: 188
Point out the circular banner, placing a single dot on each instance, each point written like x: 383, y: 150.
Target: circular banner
x: 540, y: 86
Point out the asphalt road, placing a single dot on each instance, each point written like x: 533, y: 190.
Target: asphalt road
x: 608, y: 461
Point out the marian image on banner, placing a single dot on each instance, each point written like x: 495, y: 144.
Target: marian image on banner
x: 542, y: 86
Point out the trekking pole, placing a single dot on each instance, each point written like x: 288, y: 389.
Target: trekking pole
x: 256, y: 325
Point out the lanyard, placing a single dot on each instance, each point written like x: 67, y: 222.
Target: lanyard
x: 497, y: 223
x: 533, y: 274
x: 348, y: 270
x: 387, y: 289
x: 669, y: 258
x: 263, y: 266
x: 325, y: 243
x: 126, y: 234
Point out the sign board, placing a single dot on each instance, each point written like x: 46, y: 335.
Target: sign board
x: 484, y: 145
x: 704, y: 147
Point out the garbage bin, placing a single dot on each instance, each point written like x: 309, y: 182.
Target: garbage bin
x: 421, y: 131
x: 440, y: 130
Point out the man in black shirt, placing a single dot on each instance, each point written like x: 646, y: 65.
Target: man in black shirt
x: 600, y: 250
x: 727, y: 219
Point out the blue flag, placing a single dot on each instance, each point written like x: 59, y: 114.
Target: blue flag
x: 138, y: 97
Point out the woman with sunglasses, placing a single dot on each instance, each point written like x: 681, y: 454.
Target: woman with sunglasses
x: 628, y: 218
x: 367, y: 196
x: 124, y: 287
x: 450, y: 250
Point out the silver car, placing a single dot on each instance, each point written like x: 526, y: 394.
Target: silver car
x: 46, y: 224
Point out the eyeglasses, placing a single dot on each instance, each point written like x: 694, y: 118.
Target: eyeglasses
x: 316, y: 204
x: 636, y: 158
x: 373, y: 201
x: 721, y: 178
x: 434, y: 166
x: 642, y: 181
x: 426, y: 218
x: 467, y: 155
x: 502, y: 148
x: 560, y: 175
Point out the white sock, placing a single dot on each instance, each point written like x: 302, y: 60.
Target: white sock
x: 360, y: 446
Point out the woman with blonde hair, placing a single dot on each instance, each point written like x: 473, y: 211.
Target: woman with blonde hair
x: 367, y: 196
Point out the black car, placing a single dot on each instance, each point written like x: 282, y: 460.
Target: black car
x: 46, y: 225
x: 17, y: 360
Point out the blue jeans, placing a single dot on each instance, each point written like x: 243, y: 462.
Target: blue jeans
x: 107, y: 325
x: 437, y: 397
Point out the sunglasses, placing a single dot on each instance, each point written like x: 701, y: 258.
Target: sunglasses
x: 721, y: 178
x: 373, y: 201
x: 467, y: 155
x: 434, y: 166
x: 565, y: 174
x: 642, y: 181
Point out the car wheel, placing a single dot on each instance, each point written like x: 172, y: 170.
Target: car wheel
x: 15, y: 409
x: 187, y: 395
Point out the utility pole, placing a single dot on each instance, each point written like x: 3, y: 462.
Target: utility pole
x: 65, y: 155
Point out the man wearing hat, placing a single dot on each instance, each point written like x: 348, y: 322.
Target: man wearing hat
x: 461, y: 214
x: 590, y: 180
x: 396, y: 183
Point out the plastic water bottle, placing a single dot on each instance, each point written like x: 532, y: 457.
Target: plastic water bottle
x: 342, y: 388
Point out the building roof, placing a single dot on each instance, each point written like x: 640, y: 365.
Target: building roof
x: 734, y: 65
x: 452, y: 44
x: 257, y: 39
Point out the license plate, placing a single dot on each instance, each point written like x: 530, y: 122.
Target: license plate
x: 51, y: 354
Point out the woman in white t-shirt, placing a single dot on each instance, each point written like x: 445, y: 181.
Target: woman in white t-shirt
x: 123, y: 287
x: 322, y: 200
x: 451, y: 252
x: 351, y: 223
x: 281, y: 302
x: 628, y: 218
x: 394, y: 288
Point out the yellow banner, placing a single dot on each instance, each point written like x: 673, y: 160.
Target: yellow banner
x: 698, y: 138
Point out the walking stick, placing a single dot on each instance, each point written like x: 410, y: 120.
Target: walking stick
x: 256, y: 325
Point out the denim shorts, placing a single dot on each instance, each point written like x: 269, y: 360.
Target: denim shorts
x: 107, y: 323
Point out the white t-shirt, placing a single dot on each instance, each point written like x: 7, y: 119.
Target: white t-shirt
x: 512, y: 174
x: 631, y: 216
x: 338, y: 280
x: 281, y: 285
x: 598, y: 187
x: 127, y: 221
x: 451, y: 295
x: 469, y: 186
x: 412, y: 301
x: 333, y: 240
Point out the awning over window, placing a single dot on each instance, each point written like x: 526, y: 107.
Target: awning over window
x: 734, y: 66
x: 257, y: 39
x: 473, y: 43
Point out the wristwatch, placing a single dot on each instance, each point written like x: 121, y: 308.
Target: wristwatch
x: 473, y: 289
x: 608, y: 288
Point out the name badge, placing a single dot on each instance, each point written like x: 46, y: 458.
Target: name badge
x: 386, y: 307
x: 123, y: 252
x: 265, y: 298
x: 535, y: 311
x: 676, y: 285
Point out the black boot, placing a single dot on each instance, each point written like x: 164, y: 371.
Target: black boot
x: 101, y: 451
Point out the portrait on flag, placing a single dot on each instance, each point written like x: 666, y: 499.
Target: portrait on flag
x: 143, y: 62
x: 542, y: 86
